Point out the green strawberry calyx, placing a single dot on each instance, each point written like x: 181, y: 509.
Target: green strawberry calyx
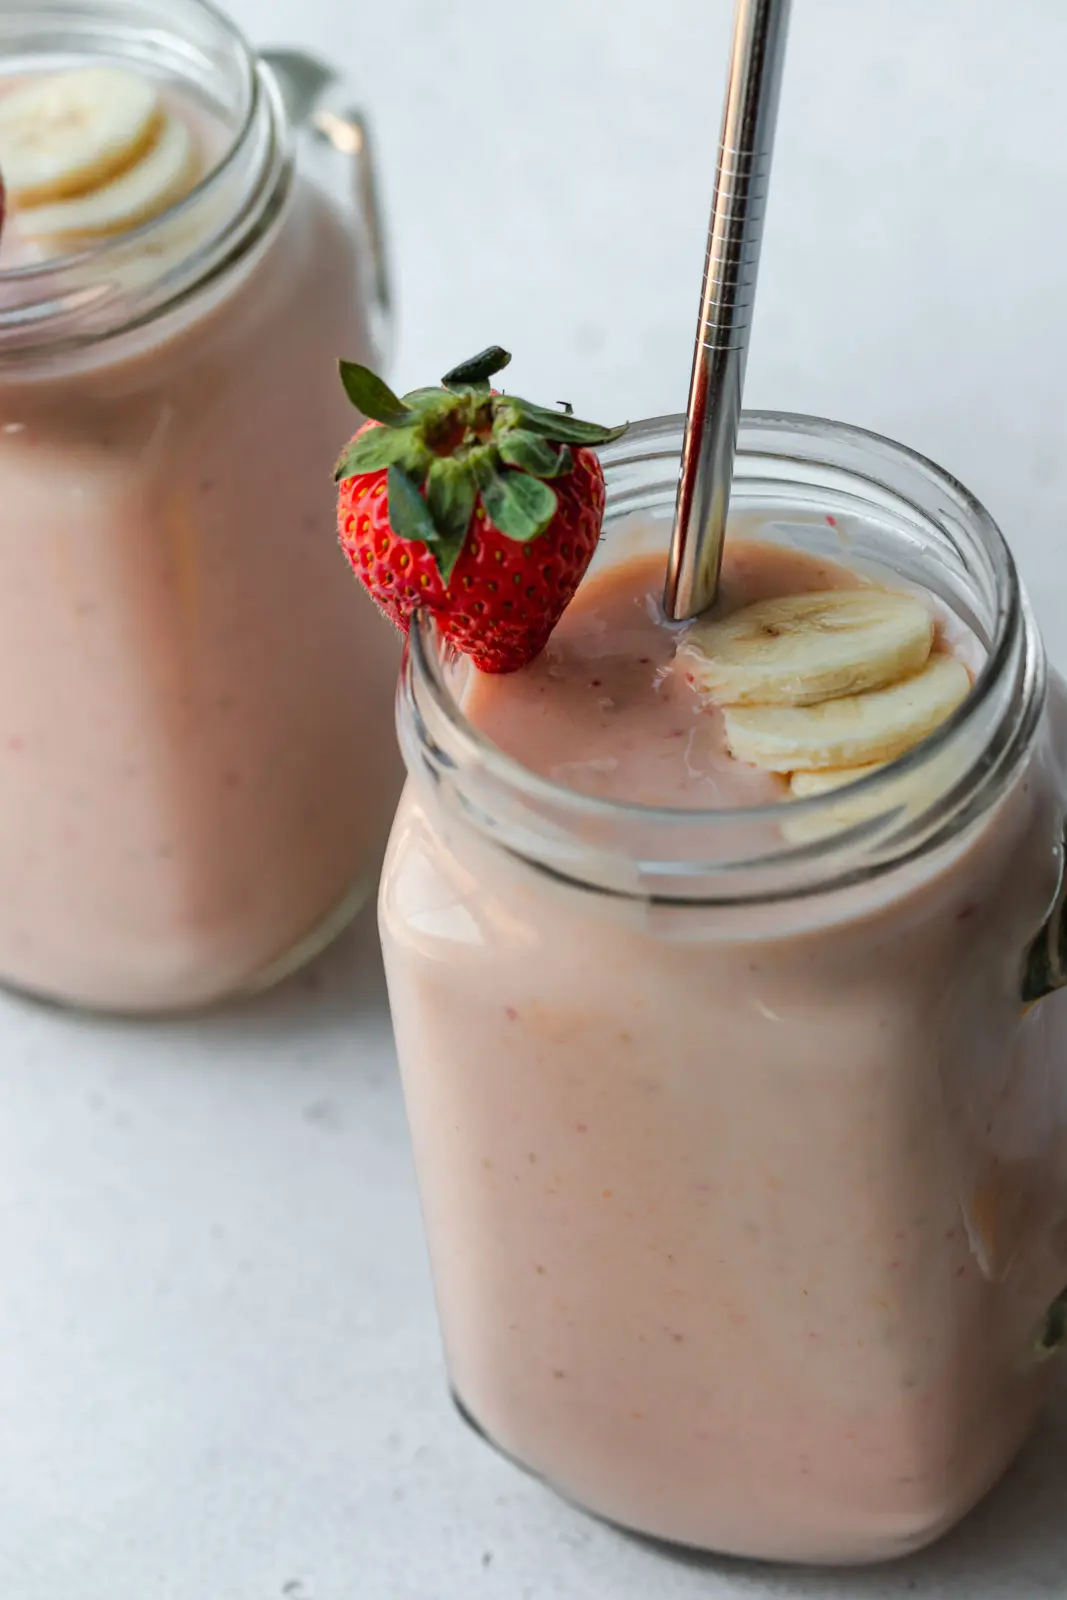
x: 444, y: 447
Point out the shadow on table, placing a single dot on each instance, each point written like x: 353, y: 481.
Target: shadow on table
x: 1014, y: 1543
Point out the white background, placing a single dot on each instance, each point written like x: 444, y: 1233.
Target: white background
x: 219, y: 1370
x: 548, y: 168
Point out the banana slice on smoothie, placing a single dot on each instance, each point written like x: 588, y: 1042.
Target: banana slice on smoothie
x: 800, y: 649
x: 805, y: 784
x: 851, y: 731
x: 68, y: 132
x: 161, y: 176
x: 845, y: 807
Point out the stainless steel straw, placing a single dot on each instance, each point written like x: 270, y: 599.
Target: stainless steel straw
x: 735, y: 234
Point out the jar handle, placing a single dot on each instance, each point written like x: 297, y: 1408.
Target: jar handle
x: 318, y: 105
x: 1046, y: 959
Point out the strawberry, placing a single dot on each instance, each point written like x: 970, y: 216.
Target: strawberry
x: 477, y: 505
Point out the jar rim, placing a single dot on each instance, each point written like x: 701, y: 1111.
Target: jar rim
x: 89, y: 280
x: 885, y: 837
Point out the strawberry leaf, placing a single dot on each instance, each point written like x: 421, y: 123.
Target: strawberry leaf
x: 378, y: 448
x: 409, y: 515
x: 534, y: 455
x: 450, y: 494
x: 446, y: 552
x: 424, y: 400
x: 475, y: 373
x: 373, y: 396
x: 559, y: 426
x: 520, y: 506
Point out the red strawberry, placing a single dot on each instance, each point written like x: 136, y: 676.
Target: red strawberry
x: 473, y: 504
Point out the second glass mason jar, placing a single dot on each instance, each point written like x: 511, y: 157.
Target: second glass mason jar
x: 197, y: 765
x: 742, y: 1145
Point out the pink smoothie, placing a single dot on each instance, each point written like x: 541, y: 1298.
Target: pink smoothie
x: 605, y: 711
x: 196, y: 752
x: 734, y: 1232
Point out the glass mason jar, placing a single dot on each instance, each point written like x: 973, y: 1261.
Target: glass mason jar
x: 197, y: 763
x: 741, y: 1141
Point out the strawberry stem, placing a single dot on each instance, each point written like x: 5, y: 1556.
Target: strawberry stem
x: 478, y: 370
x: 442, y: 448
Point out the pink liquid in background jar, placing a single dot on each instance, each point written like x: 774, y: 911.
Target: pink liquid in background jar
x: 197, y: 763
x: 741, y: 1154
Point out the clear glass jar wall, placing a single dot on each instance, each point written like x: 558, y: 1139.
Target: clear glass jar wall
x: 742, y: 1153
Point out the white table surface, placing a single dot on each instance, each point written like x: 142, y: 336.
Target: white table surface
x: 219, y: 1368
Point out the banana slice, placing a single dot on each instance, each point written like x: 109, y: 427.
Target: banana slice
x: 68, y: 132
x: 852, y: 731
x: 804, y: 784
x: 915, y: 792
x: 160, y: 178
x: 804, y: 648
x: 847, y: 811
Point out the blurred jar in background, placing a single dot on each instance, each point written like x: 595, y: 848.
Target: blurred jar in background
x: 197, y: 759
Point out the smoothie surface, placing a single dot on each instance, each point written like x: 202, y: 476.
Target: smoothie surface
x: 605, y: 711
